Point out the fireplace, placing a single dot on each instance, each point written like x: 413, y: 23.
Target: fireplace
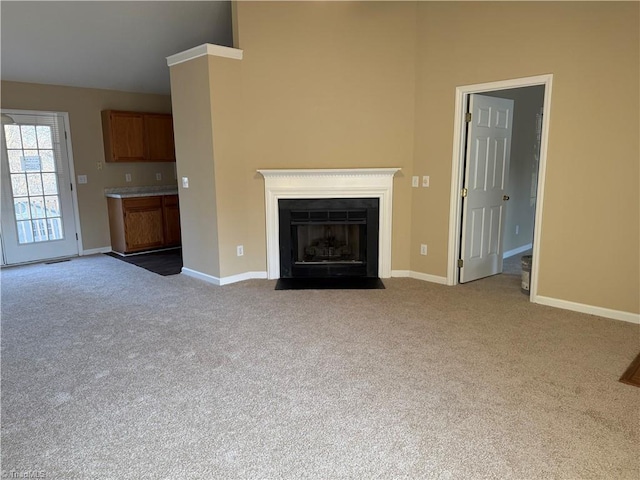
x: 348, y: 183
x: 329, y: 237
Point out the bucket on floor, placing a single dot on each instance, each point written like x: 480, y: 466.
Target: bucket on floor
x: 526, y: 273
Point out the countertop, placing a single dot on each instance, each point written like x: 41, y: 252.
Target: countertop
x: 130, y: 192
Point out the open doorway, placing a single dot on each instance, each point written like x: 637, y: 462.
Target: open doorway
x: 517, y: 235
x: 520, y: 230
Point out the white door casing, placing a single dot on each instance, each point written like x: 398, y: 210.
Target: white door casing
x: 485, y: 182
x: 38, y: 214
x: 461, y: 94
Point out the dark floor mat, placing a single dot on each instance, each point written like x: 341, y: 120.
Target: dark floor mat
x: 166, y: 262
x: 340, y: 283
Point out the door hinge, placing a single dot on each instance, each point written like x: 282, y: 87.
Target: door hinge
x: 76, y: 236
x: 460, y: 263
x: 65, y: 134
x: 464, y: 192
x: 467, y: 117
x: 71, y: 186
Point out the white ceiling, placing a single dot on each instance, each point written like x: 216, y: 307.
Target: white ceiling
x: 115, y: 45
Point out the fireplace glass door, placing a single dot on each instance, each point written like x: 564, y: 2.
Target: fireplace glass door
x: 329, y: 237
x: 329, y: 242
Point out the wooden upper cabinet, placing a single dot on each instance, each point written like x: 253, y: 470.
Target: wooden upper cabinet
x: 159, y: 138
x: 123, y: 134
x: 137, y: 137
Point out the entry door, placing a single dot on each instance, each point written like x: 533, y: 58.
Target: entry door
x: 38, y: 221
x: 485, y: 186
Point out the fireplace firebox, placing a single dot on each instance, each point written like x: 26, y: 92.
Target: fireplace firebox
x: 328, y: 237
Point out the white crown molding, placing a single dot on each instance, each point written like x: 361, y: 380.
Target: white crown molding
x: 329, y: 183
x: 328, y: 172
x: 202, y: 50
x: 590, y: 309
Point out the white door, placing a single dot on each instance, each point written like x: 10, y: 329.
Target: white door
x: 485, y: 186
x: 38, y: 222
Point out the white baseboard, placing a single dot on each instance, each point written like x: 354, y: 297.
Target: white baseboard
x: 200, y: 276
x: 518, y: 250
x: 401, y: 273
x: 590, y: 309
x: 419, y: 276
x: 94, y: 251
x: 224, y: 280
x: 242, y: 277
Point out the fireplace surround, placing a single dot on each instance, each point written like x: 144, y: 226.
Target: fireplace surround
x: 362, y: 183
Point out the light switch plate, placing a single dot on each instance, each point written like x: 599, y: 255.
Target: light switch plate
x: 185, y: 182
x: 415, y: 181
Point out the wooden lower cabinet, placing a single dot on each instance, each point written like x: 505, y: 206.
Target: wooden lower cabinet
x: 144, y: 223
x: 172, y: 234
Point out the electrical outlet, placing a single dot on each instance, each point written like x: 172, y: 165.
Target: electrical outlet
x: 423, y: 249
x: 99, y: 165
x: 240, y: 250
x: 185, y: 182
x: 127, y: 177
x: 158, y: 176
x: 425, y: 181
x: 415, y: 181
x: 82, y: 179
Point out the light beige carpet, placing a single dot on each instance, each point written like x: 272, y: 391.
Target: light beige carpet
x: 113, y: 372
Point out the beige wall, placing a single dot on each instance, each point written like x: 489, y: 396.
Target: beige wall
x: 232, y: 191
x: 327, y: 85
x: 341, y: 95
x: 207, y: 113
x: 193, y: 127
x: 84, y: 106
x: 589, y: 250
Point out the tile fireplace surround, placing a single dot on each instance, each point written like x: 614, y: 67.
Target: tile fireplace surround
x: 329, y: 183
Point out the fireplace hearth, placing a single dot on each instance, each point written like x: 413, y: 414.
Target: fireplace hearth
x: 329, y: 237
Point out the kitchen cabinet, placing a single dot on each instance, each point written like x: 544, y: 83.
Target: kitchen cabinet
x: 144, y: 223
x: 137, y: 137
x: 159, y: 138
x: 171, y: 211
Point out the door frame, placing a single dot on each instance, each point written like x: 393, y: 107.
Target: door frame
x: 72, y: 172
x: 457, y: 169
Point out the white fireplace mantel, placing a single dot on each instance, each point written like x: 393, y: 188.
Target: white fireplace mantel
x: 329, y: 183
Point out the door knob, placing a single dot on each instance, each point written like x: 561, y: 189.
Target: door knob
x: 505, y: 197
